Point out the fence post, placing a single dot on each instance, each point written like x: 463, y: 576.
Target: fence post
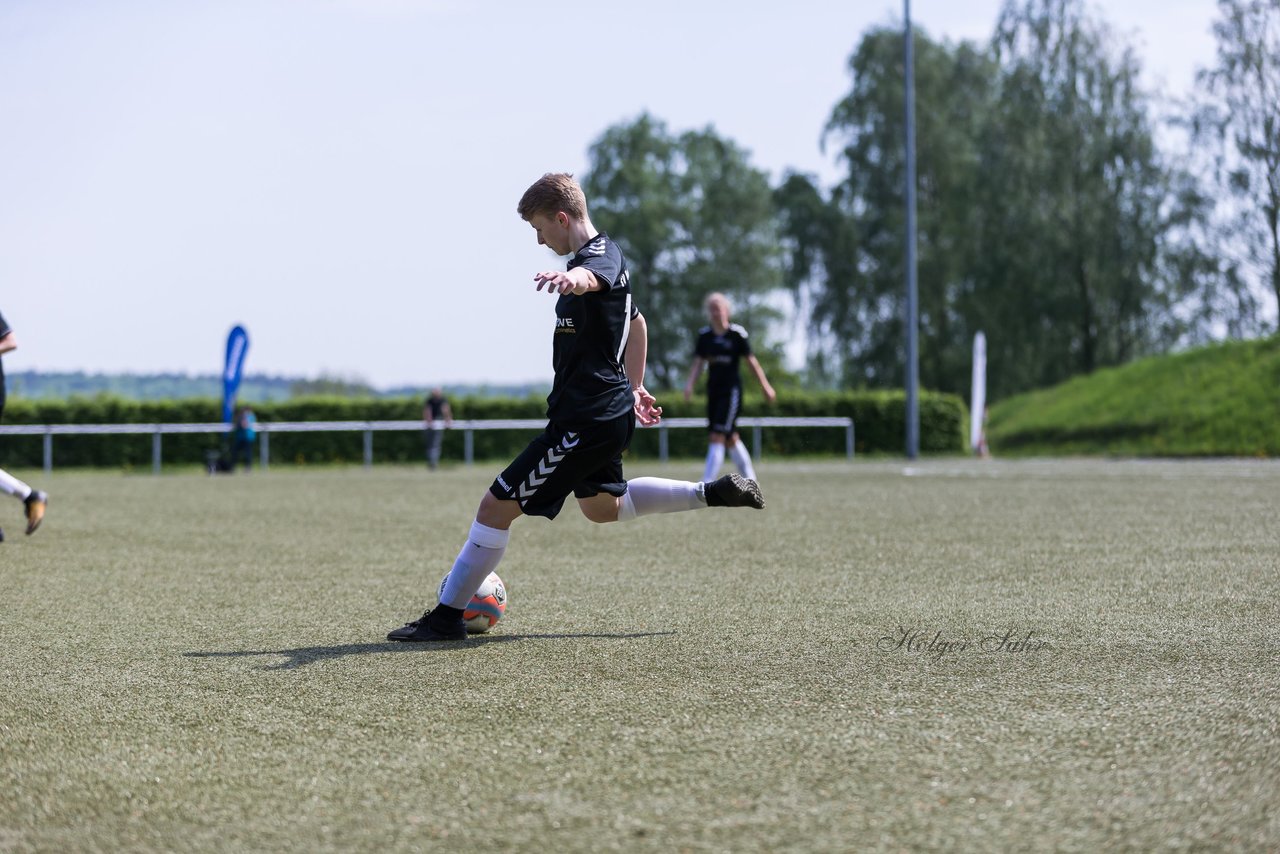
x: 155, y: 451
x: 848, y: 439
x: 264, y: 448
x: 662, y: 442
x: 48, y: 451
x: 468, y: 446
x: 755, y: 440
x: 368, y: 448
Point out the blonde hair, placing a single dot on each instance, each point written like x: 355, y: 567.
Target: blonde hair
x: 718, y: 297
x: 552, y: 193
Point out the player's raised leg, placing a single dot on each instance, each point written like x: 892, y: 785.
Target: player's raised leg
x: 34, y: 500
x: 646, y: 496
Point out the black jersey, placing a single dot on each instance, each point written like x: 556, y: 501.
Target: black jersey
x: 435, y: 405
x: 590, y: 338
x: 722, y: 353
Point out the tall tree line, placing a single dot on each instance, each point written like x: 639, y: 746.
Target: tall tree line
x: 1048, y: 215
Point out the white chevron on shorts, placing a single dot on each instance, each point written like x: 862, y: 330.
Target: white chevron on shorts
x: 545, y: 469
x: 547, y: 465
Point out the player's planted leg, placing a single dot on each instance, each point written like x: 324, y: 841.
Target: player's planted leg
x: 479, y: 556
x: 432, y: 626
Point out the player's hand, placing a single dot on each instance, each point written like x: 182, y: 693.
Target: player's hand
x: 688, y: 394
x: 555, y: 281
x: 769, y: 394
x: 647, y: 411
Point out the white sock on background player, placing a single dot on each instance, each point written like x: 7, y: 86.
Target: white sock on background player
x: 13, y: 486
x: 742, y: 460
x: 715, y: 459
x: 479, y: 557
x: 648, y: 495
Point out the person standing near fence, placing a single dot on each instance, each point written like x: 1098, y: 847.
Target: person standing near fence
x: 437, y: 415
x: 243, y: 434
x: 33, y: 500
x: 721, y: 345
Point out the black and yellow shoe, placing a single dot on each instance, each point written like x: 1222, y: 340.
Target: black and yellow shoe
x: 36, y: 503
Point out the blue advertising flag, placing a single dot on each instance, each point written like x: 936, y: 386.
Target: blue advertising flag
x: 237, y: 346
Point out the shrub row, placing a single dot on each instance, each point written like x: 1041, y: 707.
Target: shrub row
x: 879, y: 419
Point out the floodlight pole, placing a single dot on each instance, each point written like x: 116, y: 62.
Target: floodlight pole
x: 913, y: 403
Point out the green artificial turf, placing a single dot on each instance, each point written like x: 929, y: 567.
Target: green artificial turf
x: 195, y: 663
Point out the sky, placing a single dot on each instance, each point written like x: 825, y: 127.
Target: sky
x: 341, y: 176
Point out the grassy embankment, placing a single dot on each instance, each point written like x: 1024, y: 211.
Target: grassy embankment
x: 1221, y: 400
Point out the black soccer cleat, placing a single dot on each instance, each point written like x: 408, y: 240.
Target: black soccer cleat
x: 428, y: 628
x: 35, y: 503
x: 733, y: 490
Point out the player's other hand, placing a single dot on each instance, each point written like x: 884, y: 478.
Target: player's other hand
x: 769, y: 394
x: 647, y: 411
x: 555, y: 281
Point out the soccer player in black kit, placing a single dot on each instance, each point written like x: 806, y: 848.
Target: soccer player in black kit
x: 597, y: 396
x: 33, y: 500
x: 721, y: 346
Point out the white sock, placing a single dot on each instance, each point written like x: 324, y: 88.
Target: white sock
x: 648, y: 495
x: 715, y: 458
x: 13, y: 486
x: 742, y: 459
x: 479, y: 557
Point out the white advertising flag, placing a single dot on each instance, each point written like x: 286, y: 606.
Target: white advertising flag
x: 978, y: 399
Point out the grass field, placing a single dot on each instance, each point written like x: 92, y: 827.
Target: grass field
x: 192, y: 663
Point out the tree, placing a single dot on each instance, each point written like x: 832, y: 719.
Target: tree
x: 692, y: 216
x: 1072, y: 193
x: 332, y: 385
x: 846, y: 253
x: 1241, y: 116
x: 1042, y: 203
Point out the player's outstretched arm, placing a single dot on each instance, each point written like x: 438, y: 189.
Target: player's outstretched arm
x: 577, y: 281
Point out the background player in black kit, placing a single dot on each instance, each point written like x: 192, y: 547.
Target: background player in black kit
x: 33, y: 500
x: 721, y: 346
x: 599, y: 347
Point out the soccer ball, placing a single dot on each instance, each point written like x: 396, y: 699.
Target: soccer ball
x: 486, y: 607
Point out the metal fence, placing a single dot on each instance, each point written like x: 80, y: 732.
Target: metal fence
x: 468, y: 428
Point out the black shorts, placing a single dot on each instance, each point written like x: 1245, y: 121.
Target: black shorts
x: 585, y: 460
x: 723, y: 409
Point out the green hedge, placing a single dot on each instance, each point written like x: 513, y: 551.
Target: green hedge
x: 878, y: 419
